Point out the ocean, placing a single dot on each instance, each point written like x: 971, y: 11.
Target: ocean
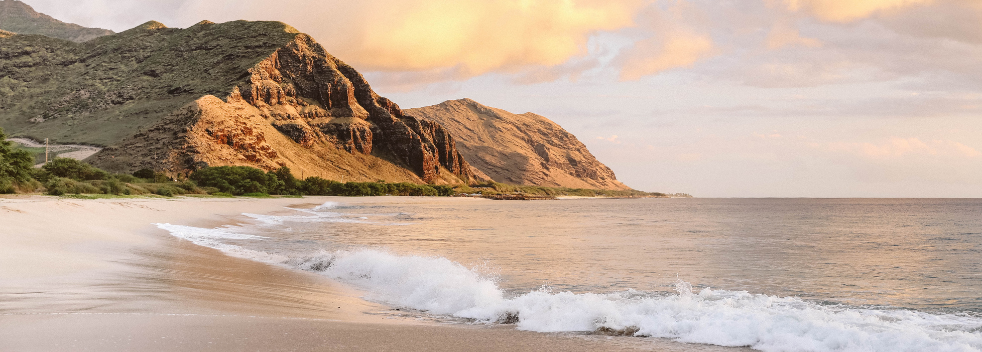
x: 768, y: 274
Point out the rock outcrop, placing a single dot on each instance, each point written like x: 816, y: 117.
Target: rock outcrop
x: 152, y: 94
x: 525, y: 149
x: 18, y: 17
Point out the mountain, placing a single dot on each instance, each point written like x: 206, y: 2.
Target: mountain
x: 238, y: 93
x: 525, y: 149
x: 18, y: 17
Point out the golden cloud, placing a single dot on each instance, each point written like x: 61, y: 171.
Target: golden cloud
x: 472, y: 36
x: 850, y: 10
x: 676, y: 38
x: 655, y: 55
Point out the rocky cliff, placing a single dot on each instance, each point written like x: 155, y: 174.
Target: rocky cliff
x: 525, y: 149
x: 19, y: 17
x: 237, y: 93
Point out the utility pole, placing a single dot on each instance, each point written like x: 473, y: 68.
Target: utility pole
x: 45, y: 150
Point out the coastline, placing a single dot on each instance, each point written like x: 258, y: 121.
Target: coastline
x: 97, y: 275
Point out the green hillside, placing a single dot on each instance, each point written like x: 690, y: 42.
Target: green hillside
x: 106, y: 89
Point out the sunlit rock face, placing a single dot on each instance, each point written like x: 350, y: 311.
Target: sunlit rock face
x: 525, y: 149
x: 238, y: 93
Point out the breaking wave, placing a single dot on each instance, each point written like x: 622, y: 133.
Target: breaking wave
x: 725, y: 318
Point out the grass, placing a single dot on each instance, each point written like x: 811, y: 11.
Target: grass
x: 256, y: 195
x: 107, y: 196
x: 494, y: 188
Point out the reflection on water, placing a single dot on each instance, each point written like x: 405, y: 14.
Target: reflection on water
x: 922, y: 254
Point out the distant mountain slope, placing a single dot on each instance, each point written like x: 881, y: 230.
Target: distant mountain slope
x: 238, y: 93
x: 525, y: 149
x: 19, y: 17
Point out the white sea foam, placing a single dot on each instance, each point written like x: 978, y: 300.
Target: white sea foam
x: 214, y: 238
x: 319, y: 213
x: 717, y: 317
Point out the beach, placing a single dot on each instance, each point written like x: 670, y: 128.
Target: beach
x: 454, y: 274
x: 98, y: 275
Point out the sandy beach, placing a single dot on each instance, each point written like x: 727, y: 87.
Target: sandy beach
x: 97, y: 275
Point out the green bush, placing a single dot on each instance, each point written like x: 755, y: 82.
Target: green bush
x: 237, y: 180
x: 126, y: 178
x: 58, y: 186
x: 287, y: 183
x: 188, y: 186
x: 316, y: 186
x: 165, y: 191
x: 160, y: 177
x: 74, y: 169
x: 6, y: 185
x: 146, y: 174
x: 15, y: 165
x: 114, y: 187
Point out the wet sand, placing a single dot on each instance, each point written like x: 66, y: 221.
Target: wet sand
x: 97, y: 275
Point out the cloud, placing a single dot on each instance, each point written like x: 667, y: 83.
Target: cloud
x: 611, y: 139
x: 673, y: 37
x: 783, y: 35
x: 655, y: 55
x: 850, y: 10
x: 897, y: 147
x: 472, y: 36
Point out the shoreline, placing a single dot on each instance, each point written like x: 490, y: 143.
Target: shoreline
x: 97, y: 275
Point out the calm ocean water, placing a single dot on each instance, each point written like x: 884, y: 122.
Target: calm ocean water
x: 771, y: 274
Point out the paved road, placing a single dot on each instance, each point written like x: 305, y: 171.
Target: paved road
x: 74, y: 151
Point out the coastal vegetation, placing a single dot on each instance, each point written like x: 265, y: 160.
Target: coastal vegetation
x: 15, y: 167
x: 74, y: 178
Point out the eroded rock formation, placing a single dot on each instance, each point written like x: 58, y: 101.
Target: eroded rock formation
x: 525, y: 149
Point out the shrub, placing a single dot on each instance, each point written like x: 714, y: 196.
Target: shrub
x: 287, y: 184
x: 126, y: 178
x: 144, y: 174
x: 15, y: 165
x: 317, y: 186
x: 114, y: 186
x: 237, y: 180
x: 74, y: 169
x: 444, y: 191
x: 165, y: 191
x: 58, y: 186
x: 188, y: 186
x: 160, y: 177
x: 6, y: 185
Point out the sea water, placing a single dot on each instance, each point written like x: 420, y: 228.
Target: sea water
x: 769, y: 274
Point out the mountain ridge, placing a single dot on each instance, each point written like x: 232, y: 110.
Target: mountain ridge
x: 115, y: 89
x: 19, y: 17
x: 523, y: 149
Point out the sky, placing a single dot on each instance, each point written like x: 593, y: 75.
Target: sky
x: 716, y: 98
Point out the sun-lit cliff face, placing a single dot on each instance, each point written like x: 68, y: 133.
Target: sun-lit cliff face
x: 525, y: 149
x: 149, y: 91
